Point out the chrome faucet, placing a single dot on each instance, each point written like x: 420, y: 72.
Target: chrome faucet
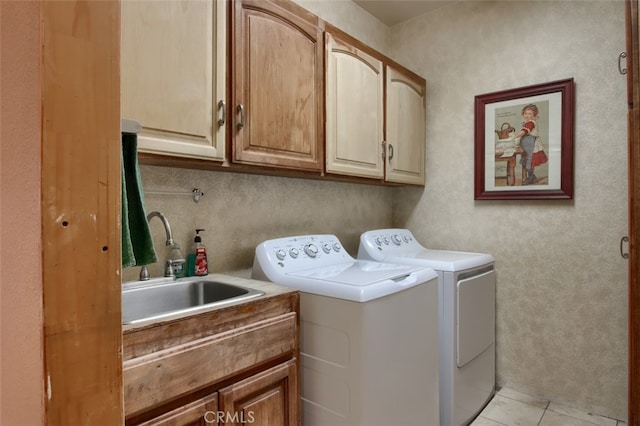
x: 168, y: 271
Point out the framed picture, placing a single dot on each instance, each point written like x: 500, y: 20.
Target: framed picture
x: 524, y: 143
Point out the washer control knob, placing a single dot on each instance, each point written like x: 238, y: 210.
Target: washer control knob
x: 378, y: 241
x: 336, y: 247
x: 326, y: 248
x: 311, y: 250
x: 294, y: 252
x: 395, y: 239
x: 405, y: 238
x: 386, y: 241
x: 281, y: 254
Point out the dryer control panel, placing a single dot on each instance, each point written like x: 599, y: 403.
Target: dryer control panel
x: 381, y: 243
x: 400, y: 246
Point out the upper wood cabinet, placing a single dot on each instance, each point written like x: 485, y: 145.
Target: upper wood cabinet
x: 405, y: 137
x: 278, y: 86
x: 375, y: 115
x: 173, y: 75
x: 354, y: 120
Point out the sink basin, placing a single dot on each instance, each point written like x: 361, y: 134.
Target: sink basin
x: 149, y: 301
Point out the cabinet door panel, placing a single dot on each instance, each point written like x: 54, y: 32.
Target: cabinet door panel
x: 405, y: 129
x: 170, y: 77
x: 354, y: 118
x: 198, y: 413
x: 266, y: 399
x: 278, y: 71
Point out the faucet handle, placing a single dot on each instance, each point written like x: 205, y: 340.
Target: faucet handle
x: 168, y: 269
x: 144, y: 273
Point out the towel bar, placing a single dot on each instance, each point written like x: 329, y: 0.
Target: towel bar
x: 195, y: 194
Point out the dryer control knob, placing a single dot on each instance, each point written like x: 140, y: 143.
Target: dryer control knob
x: 336, y: 247
x: 311, y: 250
x: 395, y: 239
x: 326, y: 248
x: 386, y: 241
x: 378, y: 241
x: 281, y: 254
x: 294, y: 252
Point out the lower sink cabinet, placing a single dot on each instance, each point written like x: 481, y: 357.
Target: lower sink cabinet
x: 233, y: 366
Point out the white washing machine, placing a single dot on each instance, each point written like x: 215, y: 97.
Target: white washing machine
x: 467, y: 318
x: 369, y: 333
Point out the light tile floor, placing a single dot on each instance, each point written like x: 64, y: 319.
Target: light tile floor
x: 511, y: 408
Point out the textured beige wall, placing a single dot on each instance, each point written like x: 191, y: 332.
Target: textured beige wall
x: 239, y: 211
x: 21, y: 366
x: 562, y: 285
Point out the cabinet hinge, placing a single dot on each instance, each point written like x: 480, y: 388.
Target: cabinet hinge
x: 384, y: 149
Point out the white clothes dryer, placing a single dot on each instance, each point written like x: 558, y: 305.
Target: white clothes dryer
x: 467, y: 318
x: 369, y: 333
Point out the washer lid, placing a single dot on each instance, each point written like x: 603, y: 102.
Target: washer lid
x: 442, y: 260
x: 359, y: 273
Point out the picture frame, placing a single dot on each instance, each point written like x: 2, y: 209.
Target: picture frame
x: 524, y: 143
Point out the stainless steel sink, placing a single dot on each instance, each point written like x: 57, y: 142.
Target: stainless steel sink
x: 142, y: 302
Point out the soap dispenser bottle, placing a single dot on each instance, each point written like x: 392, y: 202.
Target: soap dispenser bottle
x: 200, y: 262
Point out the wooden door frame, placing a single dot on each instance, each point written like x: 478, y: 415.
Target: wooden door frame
x: 80, y: 180
x: 633, y: 87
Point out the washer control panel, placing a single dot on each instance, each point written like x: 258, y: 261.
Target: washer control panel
x: 302, y: 252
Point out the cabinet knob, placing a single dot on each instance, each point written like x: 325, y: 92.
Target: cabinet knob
x: 390, y: 152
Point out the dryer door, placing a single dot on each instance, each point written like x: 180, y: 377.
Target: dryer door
x: 476, y: 313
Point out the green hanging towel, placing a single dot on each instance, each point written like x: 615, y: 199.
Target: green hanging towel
x: 137, y: 245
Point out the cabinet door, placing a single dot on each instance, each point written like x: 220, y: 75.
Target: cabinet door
x: 278, y: 85
x: 198, y: 413
x: 270, y: 398
x: 405, y: 128
x: 354, y: 120
x: 173, y: 75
